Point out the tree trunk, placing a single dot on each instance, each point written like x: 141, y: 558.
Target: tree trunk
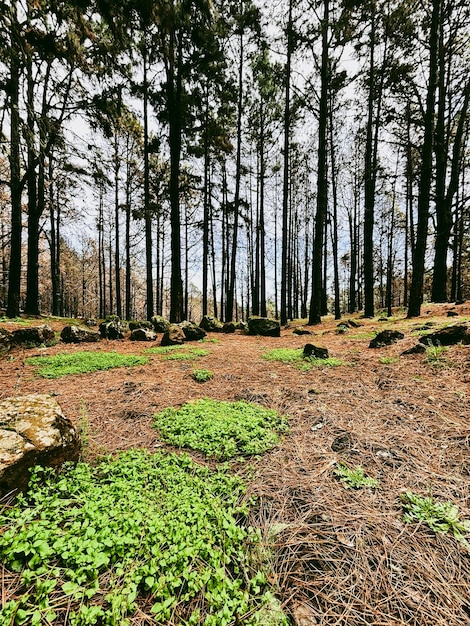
x: 229, y: 304
x: 322, y: 183
x: 147, y: 208
x: 175, y: 104
x: 444, y: 199
x: 14, y: 276
x: 286, y: 180
x: 425, y: 178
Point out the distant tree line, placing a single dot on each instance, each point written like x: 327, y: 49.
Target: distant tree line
x: 286, y: 158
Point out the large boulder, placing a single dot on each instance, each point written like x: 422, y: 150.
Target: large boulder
x: 5, y: 341
x: 264, y: 326
x: 192, y: 332
x: 448, y: 336
x: 33, y: 336
x: 112, y: 328
x: 229, y: 327
x: 160, y: 324
x: 79, y: 334
x: 173, y: 336
x: 211, y: 324
x: 143, y: 334
x: 33, y: 431
x: 386, y: 338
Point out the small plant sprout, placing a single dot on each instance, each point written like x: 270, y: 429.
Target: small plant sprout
x: 441, y: 517
x: 355, y: 478
x: 202, y: 376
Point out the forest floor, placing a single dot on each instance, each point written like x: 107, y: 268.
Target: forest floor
x: 340, y: 556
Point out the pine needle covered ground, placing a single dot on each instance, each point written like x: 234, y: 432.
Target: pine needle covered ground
x: 390, y: 551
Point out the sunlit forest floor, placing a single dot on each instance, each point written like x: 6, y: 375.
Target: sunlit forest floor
x: 339, y: 556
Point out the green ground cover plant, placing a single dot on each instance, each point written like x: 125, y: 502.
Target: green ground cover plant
x: 295, y: 356
x: 15, y: 320
x: 354, y: 478
x: 138, y: 532
x: 441, y: 517
x: 221, y: 430
x: 388, y: 360
x: 82, y: 363
x: 202, y: 376
x: 189, y: 355
x: 163, y: 349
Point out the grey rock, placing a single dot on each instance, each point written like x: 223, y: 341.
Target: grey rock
x: 135, y: 324
x: 192, y: 332
x: 315, y: 352
x: 264, y: 326
x: 211, y: 324
x: 417, y: 349
x: 160, y: 324
x: 79, y: 334
x: 33, y: 336
x: 448, y: 336
x: 143, y: 334
x: 33, y: 431
x: 112, y: 328
x: 173, y: 336
x: 386, y: 338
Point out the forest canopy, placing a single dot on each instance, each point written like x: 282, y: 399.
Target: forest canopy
x: 233, y: 157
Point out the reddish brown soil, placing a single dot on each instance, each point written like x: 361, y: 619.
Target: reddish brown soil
x: 339, y: 556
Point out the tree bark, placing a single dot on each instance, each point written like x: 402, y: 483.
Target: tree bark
x: 425, y: 177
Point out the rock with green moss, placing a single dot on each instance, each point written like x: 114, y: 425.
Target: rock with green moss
x: 192, y: 332
x: 79, y: 334
x: 160, y: 324
x: 112, y: 328
x: 135, y: 324
x: 264, y: 326
x: 173, y: 336
x: 33, y: 336
x: 211, y: 324
x: 33, y: 431
x: 143, y: 334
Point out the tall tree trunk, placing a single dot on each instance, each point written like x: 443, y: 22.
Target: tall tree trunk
x: 14, y: 276
x: 147, y: 208
x: 445, y: 198
x: 369, y: 180
x: 32, y: 291
x: 286, y: 178
x: 261, y: 223
x: 322, y: 183
x: 128, y: 297
x: 206, y: 200
x: 175, y: 104
x: 229, y: 304
x: 334, y: 226
x: 425, y: 177
x: 117, y: 255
